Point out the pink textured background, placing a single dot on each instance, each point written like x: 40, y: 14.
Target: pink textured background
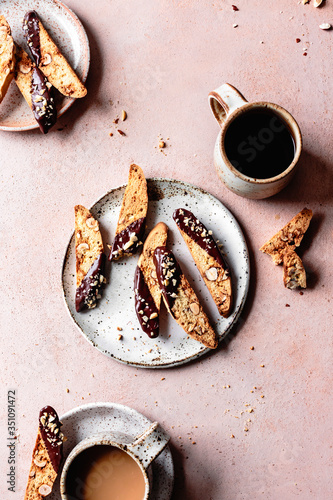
x: 158, y: 61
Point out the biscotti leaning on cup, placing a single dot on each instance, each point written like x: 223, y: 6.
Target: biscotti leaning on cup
x: 7, y: 57
x: 90, y: 259
x: 36, y: 90
x: 281, y: 247
x: 46, y: 456
x: 146, y: 288
x: 49, y: 59
x: 181, y: 300
x: 132, y: 218
x: 208, y: 258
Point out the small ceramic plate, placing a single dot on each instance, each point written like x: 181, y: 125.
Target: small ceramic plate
x: 115, y: 310
x: 70, y: 36
x: 86, y: 420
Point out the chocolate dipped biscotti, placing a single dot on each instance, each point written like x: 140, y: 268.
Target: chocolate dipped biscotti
x: 132, y: 218
x: 46, y: 456
x: 146, y: 287
x: 90, y: 259
x: 36, y: 90
x: 49, y: 59
x: 181, y: 300
x: 208, y: 258
x: 7, y: 57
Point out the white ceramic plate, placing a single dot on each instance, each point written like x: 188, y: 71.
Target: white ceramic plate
x: 86, y: 420
x: 116, y: 309
x: 70, y: 36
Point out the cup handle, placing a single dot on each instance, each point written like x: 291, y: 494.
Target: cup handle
x: 148, y: 445
x: 224, y: 101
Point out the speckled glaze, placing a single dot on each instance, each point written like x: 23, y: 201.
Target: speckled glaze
x: 227, y: 103
x: 67, y: 32
x: 121, y: 426
x: 117, y: 308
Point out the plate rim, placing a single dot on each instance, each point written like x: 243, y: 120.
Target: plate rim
x: 70, y: 100
x: 237, y: 312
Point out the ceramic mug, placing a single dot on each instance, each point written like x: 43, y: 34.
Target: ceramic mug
x: 143, y: 450
x: 227, y: 104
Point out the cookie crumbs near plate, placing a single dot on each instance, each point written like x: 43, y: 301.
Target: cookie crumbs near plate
x: 145, y: 207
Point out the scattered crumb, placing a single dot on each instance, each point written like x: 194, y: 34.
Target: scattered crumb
x: 298, y: 40
x: 232, y: 436
x: 111, y: 134
x: 235, y: 25
x: 262, y: 396
x: 161, y: 144
x: 119, y: 337
x: 67, y: 390
x: 123, y: 115
x: 252, y: 347
x: 262, y: 366
x: 194, y: 442
x: 120, y: 132
x: 163, y: 378
x: 287, y: 305
x: 119, y: 329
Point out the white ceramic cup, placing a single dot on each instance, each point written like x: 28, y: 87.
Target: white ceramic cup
x: 227, y: 103
x: 143, y: 449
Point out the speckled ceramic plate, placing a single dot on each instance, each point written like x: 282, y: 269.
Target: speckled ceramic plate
x: 70, y: 36
x: 116, y: 309
x: 86, y: 420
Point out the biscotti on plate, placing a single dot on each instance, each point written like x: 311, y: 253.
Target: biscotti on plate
x: 132, y: 218
x: 36, y: 90
x: 294, y: 275
x: 49, y: 59
x: 90, y: 259
x: 208, y: 258
x: 146, y: 287
x: 289, y: 237
x: 46, y: 456
x: 7, y: 57
x: 181, y: 300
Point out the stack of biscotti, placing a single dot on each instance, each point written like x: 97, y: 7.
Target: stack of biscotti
x: 36, y: 77
x: 49, y: 59
x: 281, y: 247
x: 46, y: 456
x: 7, y: 57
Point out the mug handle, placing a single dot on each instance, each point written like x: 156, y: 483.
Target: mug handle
x: 224, y: 100
x: 148, y: 445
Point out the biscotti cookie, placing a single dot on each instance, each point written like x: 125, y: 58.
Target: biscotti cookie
x: 208, y: 258
x: 7, y: 57
x: 294, y: 275
x: 46, y: 456
x: 146, y: 287
x: 36, y: 90
x: 49, y: 59
x: 90, y: 259
x: 181, y: 300
x: 132, y: 218
x: 289, y: 237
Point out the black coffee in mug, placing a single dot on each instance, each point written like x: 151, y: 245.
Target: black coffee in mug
x: 259, y: 144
